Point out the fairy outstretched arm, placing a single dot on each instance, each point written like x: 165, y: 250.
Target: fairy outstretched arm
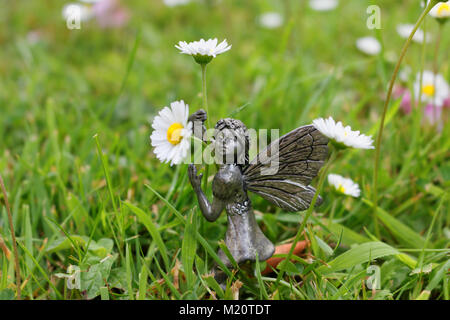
x: 211, y: 211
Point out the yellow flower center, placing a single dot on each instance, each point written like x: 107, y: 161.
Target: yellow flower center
x: 341, y: 188
x: 174, y: 133
x: 428, y: 90
x: 443, y: 8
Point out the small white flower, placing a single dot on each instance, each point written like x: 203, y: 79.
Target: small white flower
x: 441, y: 10
x: 77, y: 10
x: 323, y: 5
x: 404, y: 30
x: 369, y: 45
x: 174, y: 3
x: 342, y: 136
x: 171, y: 133
x: 203, y: 51
x: 434, y: 88
x: 271, y: 20
x: 344, y: 185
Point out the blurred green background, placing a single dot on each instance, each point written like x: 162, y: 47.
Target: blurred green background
x: 60, y: 87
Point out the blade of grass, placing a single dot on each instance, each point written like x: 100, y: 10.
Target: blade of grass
x: 358, y: 255
x: 262, y: 293
x: 152, y: 229
x: 404, y: 233
x: 13, y: 237
x: 200, y: 239
x: 168, y: 282
x: 189, y: 247
x: 41, y: 270
x: 129, y: 274
x: 143, y: 282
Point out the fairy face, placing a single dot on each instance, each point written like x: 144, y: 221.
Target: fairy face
x: 230, y: 146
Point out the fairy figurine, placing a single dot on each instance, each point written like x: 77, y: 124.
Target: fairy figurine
x: 281, y: 174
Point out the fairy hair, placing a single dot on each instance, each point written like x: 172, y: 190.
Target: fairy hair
x: 238, y: 129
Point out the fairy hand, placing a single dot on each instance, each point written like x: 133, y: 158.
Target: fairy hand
x: 196, y: 180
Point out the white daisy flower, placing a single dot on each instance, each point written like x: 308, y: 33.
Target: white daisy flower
x: 271, y: 20
x: 369, y: 45
x: 171, y: 133
x: 323, y: 5
x: 434, y: 88
x: 174, y: 3
x: 342, y: 136
x: 203, y: 51
x: 441, y: 10
x: 77, y: 10
x: 404, y: 30
x: 344, y: 185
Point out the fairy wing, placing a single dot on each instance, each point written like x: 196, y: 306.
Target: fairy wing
x: 282, y: 172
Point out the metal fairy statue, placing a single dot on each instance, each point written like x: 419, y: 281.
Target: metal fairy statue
x: 298, y: 157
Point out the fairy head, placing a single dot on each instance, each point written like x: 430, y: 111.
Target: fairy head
x: 231, y: 142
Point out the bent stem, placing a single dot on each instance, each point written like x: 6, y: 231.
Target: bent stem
x: 430, y: 5
x: 13, y: 236
x: 310, y: 210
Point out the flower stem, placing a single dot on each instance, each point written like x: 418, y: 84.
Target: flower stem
x: 310, y: 210
x: 385, y: 107
x: 13, y: 236
x: 204, y: 94
x: 418, y: 105
x: 208, y: 121
x: 435, y: 71
x: 333, y: 212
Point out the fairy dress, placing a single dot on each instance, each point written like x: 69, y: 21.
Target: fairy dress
x: 244, y: 239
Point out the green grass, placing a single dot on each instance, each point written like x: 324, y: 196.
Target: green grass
x: 86, y: 190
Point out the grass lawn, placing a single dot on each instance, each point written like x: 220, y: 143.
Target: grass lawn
x: 91, y: 203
